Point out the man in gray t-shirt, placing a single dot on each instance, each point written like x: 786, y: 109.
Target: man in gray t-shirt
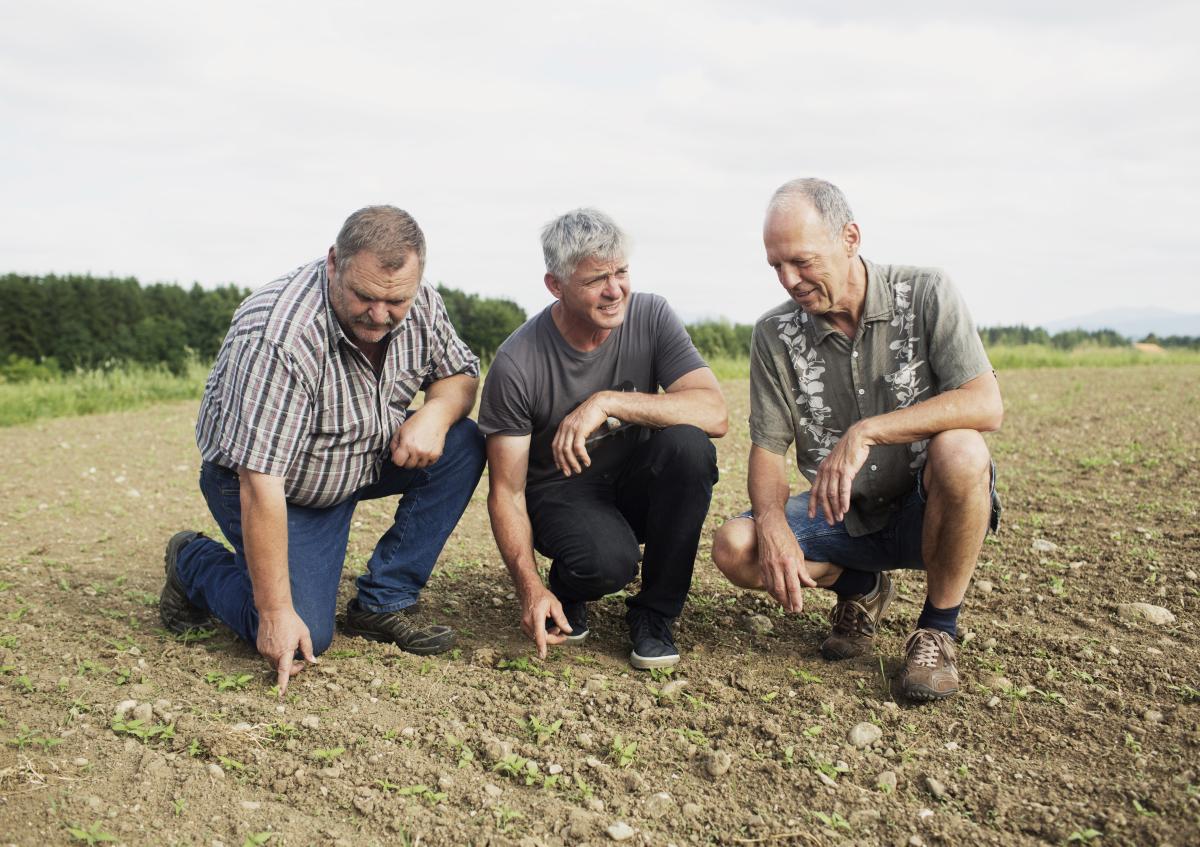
x: 877, y: 375
x: 587, y: 459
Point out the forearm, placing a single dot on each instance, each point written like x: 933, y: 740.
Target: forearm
x: 976, y: 406
x: 264, y: 529
x: 767, y: 484
x: 699, y: 407
x: 450, y: 399
x: 514, y: 538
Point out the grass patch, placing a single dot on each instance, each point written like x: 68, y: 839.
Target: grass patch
x: 94, y: 392
x: 1012, y: 357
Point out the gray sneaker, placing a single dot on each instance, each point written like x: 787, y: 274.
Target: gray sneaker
x: 404, y: 628
x: 179, y: 614
x: 855, y: 620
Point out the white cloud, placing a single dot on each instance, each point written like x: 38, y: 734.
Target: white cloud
x: 1044, y: 156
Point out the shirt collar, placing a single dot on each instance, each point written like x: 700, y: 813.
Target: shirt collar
x: 879, y: 305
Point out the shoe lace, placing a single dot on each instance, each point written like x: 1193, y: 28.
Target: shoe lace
x: 849, y: 617
x: 925, y: 646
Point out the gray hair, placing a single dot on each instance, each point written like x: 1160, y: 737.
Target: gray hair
x: 825, y: 197
x: 390, y: 233
x: 580, y: 234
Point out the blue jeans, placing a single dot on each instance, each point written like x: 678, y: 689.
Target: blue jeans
x: 896, y: 545
x: 433, y: 500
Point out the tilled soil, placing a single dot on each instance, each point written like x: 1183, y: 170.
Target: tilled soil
x: 1078, y: 722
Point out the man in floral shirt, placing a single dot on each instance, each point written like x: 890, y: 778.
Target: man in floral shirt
x: 878, y: 376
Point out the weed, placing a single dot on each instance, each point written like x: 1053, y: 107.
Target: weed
x: 191, y: 636
x: 539, y: 731
x: 424, y: 792
x: 281, y: 731
x: 228, y: 682
x: 9, y: 641
x: 1132, y: 744
x: 804, y: 677
x: 693, y: 736
x: 27, y: 737
x: 813, y: 731
x: 426, y: 666
x: 523, y: 664
x: 661, y: 674
x: 465, y: 756
x: 178, y: 805
x: 1142, y: 810
x: 257, y: 839
x: 1083, y: 836
x: 505, y: 817
x: 94, y: 834
x: 24, y: 683
x: 1187, y: 693
x: 621, y: 754
x: 788, y: 754
x: 142, y: 731
x: 516, y: 767
x: 194, y: 749
x: 327, y: 754
x: 230, y: 763
x: 833, y: 821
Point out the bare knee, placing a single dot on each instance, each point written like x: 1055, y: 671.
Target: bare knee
x: 957, y: 460
x: 735, y: 552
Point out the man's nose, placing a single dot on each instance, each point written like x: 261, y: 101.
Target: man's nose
x: 612, y: 288
x: 378, y: 312
x: 788, y: 276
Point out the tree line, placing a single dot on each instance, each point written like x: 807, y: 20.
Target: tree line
x: 55, y: 324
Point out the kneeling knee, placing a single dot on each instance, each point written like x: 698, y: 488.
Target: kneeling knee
x: 958, y: 456
x: 687, y: 447
x: 734, y: 549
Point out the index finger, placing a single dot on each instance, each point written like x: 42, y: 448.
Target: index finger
x: 794, y: 590
x: 284, y: 671
x: 847, y: 483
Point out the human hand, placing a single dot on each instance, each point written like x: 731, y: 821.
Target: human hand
x: 418, y: 442
x: 536, y: 606
x: 784, y: 572
x: 835, y: 476
x: 569, y: 446
x: 280, y: 634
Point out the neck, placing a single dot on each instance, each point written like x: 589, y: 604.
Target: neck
x: 847, y: 313
x: 583, y: 338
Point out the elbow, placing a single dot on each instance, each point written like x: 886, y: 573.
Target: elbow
x: 993, y: 419
x: 719, y: 425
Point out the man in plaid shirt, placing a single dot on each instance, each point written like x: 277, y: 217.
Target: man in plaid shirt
x: 305, y: 413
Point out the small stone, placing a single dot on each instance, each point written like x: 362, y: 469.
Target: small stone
x: 497, y: 602
x: 1192, y: 575
x: 886, y: 781
x: 924, y: 814
x: 864, y: 734
x: 484, y: 657
x: 214, y: 770
x: 593, y: 763
x: 251, y: 805
x: 989, y: 644
x: 241, y: 727
x: 595, y: 804
x: 79, y: 762
x: 1152, y: 716
x: 993, y: 702
x: 310, y: 722
x: 826, y: 779
x: 620, y: 831
x: 891, y: 706
x: 658, y: 805
x: 143, y: 712
x: 141, y: 689
x: 331, y: 772
x: 757, y: 624
x: 1144, y: 611
x: 492, y: 790
x: 717, y: 763
x: 916, y: 840
x: 376, y: 684
x: 936, y: 787
x: 124, y: 708
x: 984, y: 586
x: 692, y: 810
x: 1041, y: 545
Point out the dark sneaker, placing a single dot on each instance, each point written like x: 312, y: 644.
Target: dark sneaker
x: 855, y: 619
x: 929, y: 672
x: 577, y: 617
x: 653, y: 643
x: 179, y: 615
x: 404, y: 628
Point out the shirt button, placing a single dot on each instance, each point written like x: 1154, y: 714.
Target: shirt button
x: 855, y: 354
x: 874, y: 467
x: 862, y: 391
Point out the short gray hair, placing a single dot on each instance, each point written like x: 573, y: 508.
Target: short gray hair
x: 825, y: 197
x: 580, y: 234
x: 390, y: 233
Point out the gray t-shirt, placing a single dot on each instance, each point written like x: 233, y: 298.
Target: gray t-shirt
x: 809, y: 383
x: 537, y: 379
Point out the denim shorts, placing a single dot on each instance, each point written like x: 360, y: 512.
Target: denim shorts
x: 897, y: 545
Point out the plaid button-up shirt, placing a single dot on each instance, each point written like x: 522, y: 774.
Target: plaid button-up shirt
x: 291, y: 396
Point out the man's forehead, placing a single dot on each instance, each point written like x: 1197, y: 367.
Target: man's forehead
x: 592, y: 265
x: 796, y: 224
x: 365, y: 269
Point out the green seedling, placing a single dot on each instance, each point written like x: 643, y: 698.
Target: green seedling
x: 505, y: 817
x: 693, y: 736
x: 94, y: 834
x: 24, y: 683
x: 228, y: 682
x: 813, y: 731
x: 1187, y: 693
x: 257, y: 839
x: 342, y: 654
x: 1084, y: 836
x: 834, y: 821
x: 769, y: 696
x: 194, y: 749
x: 178, y: 805
x: 424, y: 792
x: 191, y: 636
x: 122, y: 675
x: 27, y: 737
x: 803, y: 677
x: 327, y: 754
x: 426, y: 666
x: 8, y: 641
x: 1132, y: 744
x: 516, y: 767
x: 1142, y: 810
x: 539, y: 731
x: 523, y: 664
x: 661, y: 674
x: 788, y: 754
x: 142, y: 731
x: 281, y: 731
x: 229, y: 763
x: 621, y: 753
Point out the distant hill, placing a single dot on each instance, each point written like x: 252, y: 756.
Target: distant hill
x: 1133, y: 323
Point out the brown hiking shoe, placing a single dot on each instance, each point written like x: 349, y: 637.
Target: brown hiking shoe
x: 929, y: 672
x: 179, y: 615
x: 403, y: 628
x: 855, y: 619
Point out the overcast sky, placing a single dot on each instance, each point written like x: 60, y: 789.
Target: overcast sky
x: 1046, y: 154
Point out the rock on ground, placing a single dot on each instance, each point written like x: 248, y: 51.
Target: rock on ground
x: 1145, y: 611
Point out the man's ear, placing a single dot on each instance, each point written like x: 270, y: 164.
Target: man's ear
x: 852, y: 238
x: 553, y: 286
x: 330, y: 261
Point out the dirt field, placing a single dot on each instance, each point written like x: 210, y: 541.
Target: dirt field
x: 1079, y: 721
